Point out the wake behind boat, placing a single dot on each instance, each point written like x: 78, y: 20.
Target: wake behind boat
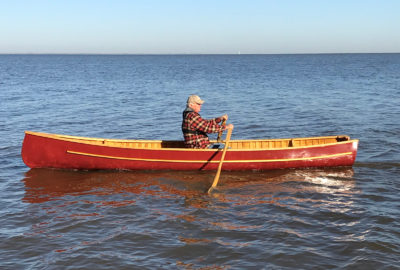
x: 43, y: 150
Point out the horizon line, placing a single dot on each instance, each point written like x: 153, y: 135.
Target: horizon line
x: 166, y: 54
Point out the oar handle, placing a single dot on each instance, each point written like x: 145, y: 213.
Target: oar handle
x: 220, y: 133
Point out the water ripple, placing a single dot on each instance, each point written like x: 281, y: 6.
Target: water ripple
x: 341, y: 218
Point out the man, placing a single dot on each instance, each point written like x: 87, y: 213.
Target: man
x: 195, y: 128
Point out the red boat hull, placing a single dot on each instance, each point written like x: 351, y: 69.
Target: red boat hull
x: 40, y: 151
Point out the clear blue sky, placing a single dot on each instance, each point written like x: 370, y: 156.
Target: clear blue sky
x: 199, y: 26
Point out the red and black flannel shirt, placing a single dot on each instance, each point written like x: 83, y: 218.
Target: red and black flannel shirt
x: 195, y: 129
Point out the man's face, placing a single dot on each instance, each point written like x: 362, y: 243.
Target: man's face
x: 196, y: 107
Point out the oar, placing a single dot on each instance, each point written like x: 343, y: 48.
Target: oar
x: 220, y: 133
x: 216, y: 178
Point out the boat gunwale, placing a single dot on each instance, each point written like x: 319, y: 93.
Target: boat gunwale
x: 86, y: 141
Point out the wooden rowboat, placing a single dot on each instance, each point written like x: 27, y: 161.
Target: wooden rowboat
x: 42, y: 150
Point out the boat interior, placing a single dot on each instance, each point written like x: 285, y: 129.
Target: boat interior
x: 233, y: 144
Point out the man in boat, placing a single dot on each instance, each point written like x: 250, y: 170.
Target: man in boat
x: 195, y: 128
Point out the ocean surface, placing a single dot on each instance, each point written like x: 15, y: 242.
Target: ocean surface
x: 337, y: 218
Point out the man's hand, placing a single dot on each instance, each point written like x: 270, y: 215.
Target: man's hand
x: 229, y: 126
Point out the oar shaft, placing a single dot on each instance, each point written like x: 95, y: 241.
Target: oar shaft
x: 216, y: 178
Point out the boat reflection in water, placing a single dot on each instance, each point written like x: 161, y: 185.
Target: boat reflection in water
x: 116, y: 188
x: 42, y: 185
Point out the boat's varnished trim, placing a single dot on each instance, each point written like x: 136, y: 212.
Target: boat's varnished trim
x: 87, y: 141
x: 207, y: 161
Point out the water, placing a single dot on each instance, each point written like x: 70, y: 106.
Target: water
x: 338, y: 218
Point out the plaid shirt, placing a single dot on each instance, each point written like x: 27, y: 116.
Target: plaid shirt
x: 195, y: 129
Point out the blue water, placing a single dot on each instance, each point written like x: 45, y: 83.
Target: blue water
x: 341, y: 218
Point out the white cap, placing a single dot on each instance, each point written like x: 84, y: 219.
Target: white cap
x: 194, y: 99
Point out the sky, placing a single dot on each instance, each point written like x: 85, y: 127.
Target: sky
x: 199, y: 26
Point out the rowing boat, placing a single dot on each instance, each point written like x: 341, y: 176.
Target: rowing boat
x: 44, y: 150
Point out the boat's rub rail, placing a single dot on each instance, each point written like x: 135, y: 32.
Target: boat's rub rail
x: 258, y: 144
